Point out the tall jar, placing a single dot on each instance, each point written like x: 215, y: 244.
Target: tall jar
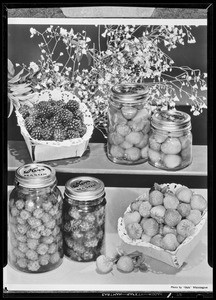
x: 128, y: 124
x: 84, y: 218
x: 35, y: 219
x: 170, y: 140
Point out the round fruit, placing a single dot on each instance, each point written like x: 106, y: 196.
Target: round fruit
x: 158, y: 213
x: 157, y: 240
x: 195, y: 216
x: 169, y: 242
x: 185, y: 228
x: 184, y: 209
x: 153, y: 144
x: 134, y: 137
x: 172, y: 217
x: 184, y: 194
x: 172, y: 161
x: 115, y: 138
x: 144, y: 141
x: 170, y: 201
x: 156, y: 198
x: 145, y: 238
x: 167, y: 229
x: 144, y: 152
x: 198, y: 202
x: 134, y: 230
x: 104, y: 264
x: 125, y: 264
x: 132, y: 153
x: 144, y: 209
x: 116, y: 151
x: 154, y: 156
x: 123, y: 129
x: 131, y: 217
x: 171, y: 146
x: 135, y: 205
x: 150, y: 227
x: 128, y: 112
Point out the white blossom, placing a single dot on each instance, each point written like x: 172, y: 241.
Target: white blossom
x: 34, y: 66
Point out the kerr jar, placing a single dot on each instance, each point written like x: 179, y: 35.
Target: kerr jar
x: 128, y: 124
x: 35, y: 219
x: 84, y: 218
x: 170, y: 140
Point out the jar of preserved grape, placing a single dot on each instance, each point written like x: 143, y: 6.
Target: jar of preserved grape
x: 128, y: 124
x: 170, y: 140
x: 84, y: 218
x: 35, y: 220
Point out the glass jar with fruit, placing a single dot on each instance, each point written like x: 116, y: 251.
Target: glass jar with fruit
x: 128, y: 124
x: 170, y: 140
x: 35, y: 241
x: 84, y: 218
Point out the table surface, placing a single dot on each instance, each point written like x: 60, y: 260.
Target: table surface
x: 95, y: 161
x: 194, y: 275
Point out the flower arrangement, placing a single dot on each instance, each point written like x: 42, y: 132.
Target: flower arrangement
x: 135, y: 54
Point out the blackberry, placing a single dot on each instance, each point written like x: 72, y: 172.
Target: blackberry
x: 24, y: 110
x: 54, y: 121
x: 30, y: 123
x: 36, y: 133
x: 82, y: 130
x: 47, y: 133
x: 74, y: 124
x: 65, y: 116
x: 59, y: 134
x: 44, y: 123
x: 60, y: 104
x: 45, y: 109
x: 78, y: 115
x: 72, y: 134
x: 72, y: 105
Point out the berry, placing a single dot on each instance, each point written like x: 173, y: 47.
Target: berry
x: 74, y: 124
x: 78, y: 115
x: 65, y: 116
x: 104, y: 264
x: 125, y: 264
x: 59, y: 134
x: 24, y: 110
x: 36, y: 133
x: 82, y: 130
x: 47, y: 133
x: 30, y: 122
x: 72, y: 105
x: 72, y: 134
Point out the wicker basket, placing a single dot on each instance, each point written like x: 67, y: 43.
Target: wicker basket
x: 174, y: 258
x: 41, y: 150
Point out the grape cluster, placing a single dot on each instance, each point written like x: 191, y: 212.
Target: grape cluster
x: 83, y: 232
x: 35, y: 220
x: 54, y: 120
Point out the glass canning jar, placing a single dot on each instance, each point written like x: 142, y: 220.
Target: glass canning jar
x: 128, y: 124
x: 35, y: 243
x: 170, y: 140
x: 84, y: 218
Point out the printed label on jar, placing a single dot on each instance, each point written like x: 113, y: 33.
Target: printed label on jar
x: 34, y: 171
x: 85, y: 185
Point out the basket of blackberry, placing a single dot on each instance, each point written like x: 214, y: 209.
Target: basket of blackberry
x: 55, y: 125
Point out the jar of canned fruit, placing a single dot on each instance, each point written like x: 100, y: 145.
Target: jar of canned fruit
x: 170, y: 140
x: 84, y: 218
x: 35, y: 241
x: 128, y: 124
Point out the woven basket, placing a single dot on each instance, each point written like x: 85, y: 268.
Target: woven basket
x: 174, y: 258
x: 41, y: 150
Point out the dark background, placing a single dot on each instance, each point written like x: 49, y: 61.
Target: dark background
x: 23, y: 49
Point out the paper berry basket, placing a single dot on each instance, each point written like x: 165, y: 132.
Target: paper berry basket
x: 41, y: 150
x: 173, y: 258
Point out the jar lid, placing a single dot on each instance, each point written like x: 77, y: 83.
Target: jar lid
x: 35, y: 175
x: 171, y: 120
x: 84, y: 188
x: 129, y: 92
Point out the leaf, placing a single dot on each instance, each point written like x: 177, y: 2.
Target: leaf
x: 89, y: 58
x: 27, y: 97
x: 16, y: 78
x: 21, y: 91
x: 11, y: 107
x: 19, y: 86
x: 11, y: 70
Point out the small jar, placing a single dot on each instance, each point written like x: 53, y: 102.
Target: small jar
x: 35, y: 241
x: 84, y: 218
x: 170, y: 140
x: 128, y: 124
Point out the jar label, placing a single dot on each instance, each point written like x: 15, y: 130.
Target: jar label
x: 35, y: 171
x: 85, y: 185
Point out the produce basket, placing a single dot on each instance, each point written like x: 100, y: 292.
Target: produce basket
x: 41, y: 150
x: 173, y: 258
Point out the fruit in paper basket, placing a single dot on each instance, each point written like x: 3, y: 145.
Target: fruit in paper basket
x: 132, y: 154
x: 185, y: 228
x: 125, y: 264
x: 134, y: 230
x: 184, y: 194
x: 157, y: 240
x: 170, y: 201
x: 194, y: 216
x: 198, y: 202
x: 169, y: 242
x: 145, y: 209
x: 145, y: 238
x: 171, y: 146
x: 184, y: 209
x: 172, y: 217
x: 156, y: 197
x: 180, y: 238
x: 134, y: 206
x: 158, y: 213
x: 131, y: 217
x: 167, y: 229
x: 150, y: 227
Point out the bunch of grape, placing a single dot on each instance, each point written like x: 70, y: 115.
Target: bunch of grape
x: 54, y: 120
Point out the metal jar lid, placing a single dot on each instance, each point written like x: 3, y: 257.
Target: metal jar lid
x: 84, y: 188
x: 171, y: 120
x: 129, y: 93
x: 35, y: 175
